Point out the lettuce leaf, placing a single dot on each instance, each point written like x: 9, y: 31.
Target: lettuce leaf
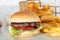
x: 15, y: 32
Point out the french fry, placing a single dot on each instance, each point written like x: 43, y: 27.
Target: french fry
x: 30, y: 6
x: 58, y: 20
x: 45, y: 13
x: 47, y: 27
x: 46, y: 7
x: 37, y: 5
x: 48, y: 18
x: 53, y: 29
x: 58, y: 24
x: 44, y: 30
x: 53, y: 24
x: 33, y: 6
x: 50, y: 12
x: 54, y: 32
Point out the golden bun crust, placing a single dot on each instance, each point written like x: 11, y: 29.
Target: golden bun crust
x: 24, y: 17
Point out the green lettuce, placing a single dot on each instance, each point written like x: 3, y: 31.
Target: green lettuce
x: 15, y: 32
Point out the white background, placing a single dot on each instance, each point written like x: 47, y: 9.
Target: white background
x: 15, y: 2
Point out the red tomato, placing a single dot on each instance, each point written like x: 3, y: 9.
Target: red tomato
x: 25, y: 28
x: 28, y: 28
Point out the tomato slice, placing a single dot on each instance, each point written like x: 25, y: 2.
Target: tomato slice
x: 25, y: 28
x: 28, y: 28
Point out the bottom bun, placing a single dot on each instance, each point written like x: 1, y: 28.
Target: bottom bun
x: 27, y: 34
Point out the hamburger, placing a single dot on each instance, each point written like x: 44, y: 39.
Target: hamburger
x: 24, y: 24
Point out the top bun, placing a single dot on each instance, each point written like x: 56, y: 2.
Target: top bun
x: 24, y: 17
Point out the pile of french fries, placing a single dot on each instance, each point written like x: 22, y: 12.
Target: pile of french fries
x: 50, y: 23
